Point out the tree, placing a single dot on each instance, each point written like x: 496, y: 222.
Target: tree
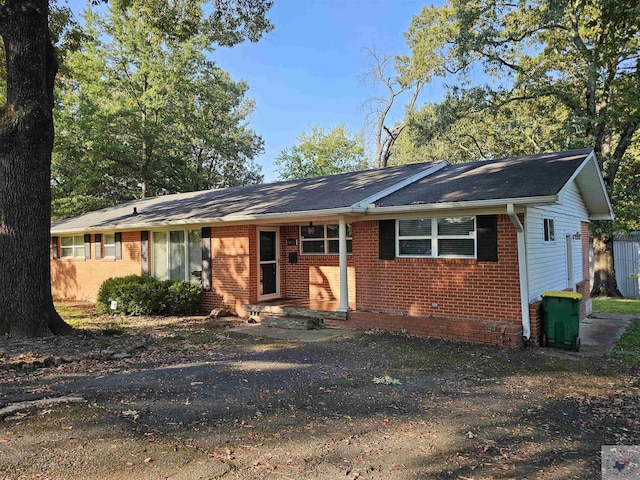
x: 147, y: 114
x: 380, y: 107
x: 580, y: 55
x: 26, y: 143
x: 319, y: 153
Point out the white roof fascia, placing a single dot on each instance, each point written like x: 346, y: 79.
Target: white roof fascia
x: 602, y: 216
x: 592, y: 158
x: 364, y: 204
x: 262, y: 218
x: 544, y: 200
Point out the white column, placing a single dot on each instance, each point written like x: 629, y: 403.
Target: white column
x: 342, y: 249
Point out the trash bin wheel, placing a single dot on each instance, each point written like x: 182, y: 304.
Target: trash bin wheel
x: 577, y: 345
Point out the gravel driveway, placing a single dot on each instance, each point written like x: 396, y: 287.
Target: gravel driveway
x: 195, y: 400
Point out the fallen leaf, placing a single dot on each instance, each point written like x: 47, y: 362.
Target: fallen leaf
x: 148, y: 460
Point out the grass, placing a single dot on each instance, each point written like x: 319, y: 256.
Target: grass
x: 625, y: 306
x: 628, y: 347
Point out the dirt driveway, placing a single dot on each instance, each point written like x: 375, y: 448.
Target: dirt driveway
x: 186, y: 399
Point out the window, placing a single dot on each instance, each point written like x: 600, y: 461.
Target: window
x: 323, y: 239
x: 110, y: 245
x: 437, y: 237
x: 72, y: 246
x: 176, y: 255
x: 549, y: 230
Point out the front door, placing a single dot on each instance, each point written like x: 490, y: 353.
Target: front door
x: 268, y: 267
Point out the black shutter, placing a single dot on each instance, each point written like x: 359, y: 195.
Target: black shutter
x: 206, y: 258
x: 387, y: 239
x: 118, y: 239
x: 144, y: 251
x: 98, y: 249
x: 487, y: 231
x: 54, y: 247
x: 87, y: 246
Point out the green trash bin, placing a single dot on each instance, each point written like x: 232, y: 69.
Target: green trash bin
x: 561, y: 319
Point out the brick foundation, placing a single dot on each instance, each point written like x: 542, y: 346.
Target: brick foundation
x: 491, y: 332
x: 536, y: 316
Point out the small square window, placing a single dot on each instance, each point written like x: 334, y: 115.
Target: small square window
x: 549, y: 230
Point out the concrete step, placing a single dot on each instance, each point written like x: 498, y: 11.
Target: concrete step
x: 278, y: 310
x: 294, y: 323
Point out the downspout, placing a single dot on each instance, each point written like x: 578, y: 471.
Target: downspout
x: 522, y: 269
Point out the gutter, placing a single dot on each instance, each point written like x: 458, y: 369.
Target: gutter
x: 522, y: 270
x: 498, y: 202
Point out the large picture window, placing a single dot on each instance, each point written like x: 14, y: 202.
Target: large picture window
x: 436, y: 237
x: 323, y: 239
x: 176, y: 255
x: 72, y: 246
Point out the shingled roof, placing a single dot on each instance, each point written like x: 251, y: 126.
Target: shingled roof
x: 525, y: 179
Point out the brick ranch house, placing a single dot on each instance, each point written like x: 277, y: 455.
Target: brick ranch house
x: 459, y: 251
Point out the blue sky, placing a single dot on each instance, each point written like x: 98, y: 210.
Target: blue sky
x: 308, y: 70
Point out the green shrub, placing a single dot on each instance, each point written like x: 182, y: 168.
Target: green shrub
x: 144, y: 295
x: 184, y: 297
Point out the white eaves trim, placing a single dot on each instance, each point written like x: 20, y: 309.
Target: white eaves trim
x: 591, y: 158
x: 364, y: 204
x: 543, y: 200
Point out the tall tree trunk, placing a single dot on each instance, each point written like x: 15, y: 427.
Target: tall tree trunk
x: 604, y: 277
x: 26, y: 142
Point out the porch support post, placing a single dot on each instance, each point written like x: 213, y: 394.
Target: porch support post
x: 342, y: 249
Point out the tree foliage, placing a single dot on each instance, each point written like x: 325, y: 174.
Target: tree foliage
x: 27, y: 136
x: 146, y: 113
x: 322, y: 153
x: 570, y: 65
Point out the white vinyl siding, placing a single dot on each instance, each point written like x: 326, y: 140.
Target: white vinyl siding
x: 547, y: 261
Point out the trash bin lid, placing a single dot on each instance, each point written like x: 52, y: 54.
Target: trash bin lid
x: 561, y: 294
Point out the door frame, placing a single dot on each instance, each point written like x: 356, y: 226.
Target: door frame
x: 569, y: 260
x: 277, y: 294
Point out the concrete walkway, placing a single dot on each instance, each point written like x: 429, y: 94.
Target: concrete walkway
x: 600, y: 332
x: 290, y: 334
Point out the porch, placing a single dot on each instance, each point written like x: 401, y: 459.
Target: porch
x: 297, y: 307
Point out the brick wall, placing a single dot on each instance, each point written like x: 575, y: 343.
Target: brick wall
x: 461, y: 288
x: 536, y: 316
x: 458, y: 299
x: 315, y: 277
x: 234, y: 269
x: 77, y: 278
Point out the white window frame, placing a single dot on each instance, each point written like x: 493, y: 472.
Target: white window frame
x: 187, y: 263
x: 106, y: 245
x: 434, y: 237
x: 551, y: 238
x: 324, y: 239
x: 77, y: 249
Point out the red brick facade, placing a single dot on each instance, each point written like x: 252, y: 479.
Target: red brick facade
x: 234, y: 269
x: 459, y: 299
x: 81, y: 279
x: 315, y: 277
